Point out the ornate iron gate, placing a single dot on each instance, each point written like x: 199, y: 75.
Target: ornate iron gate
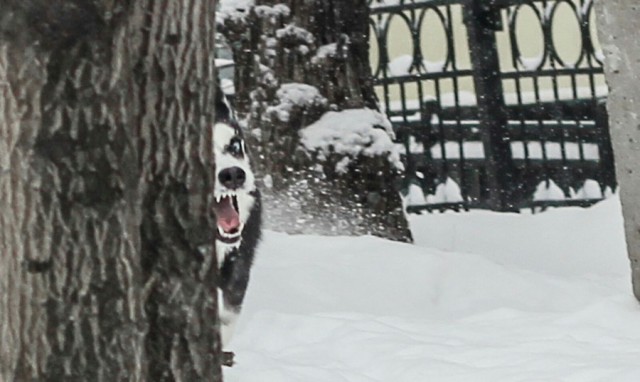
x: 490, y: 124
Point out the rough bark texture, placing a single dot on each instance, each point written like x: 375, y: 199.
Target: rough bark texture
x: 618, y: 23
x: 106, y: 270
x: 281, y: 42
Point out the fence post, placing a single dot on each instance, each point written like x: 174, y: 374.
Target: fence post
x: 482, y: 18
x: 605, y: 149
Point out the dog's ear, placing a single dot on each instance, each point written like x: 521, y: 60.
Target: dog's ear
x: 223, y: 113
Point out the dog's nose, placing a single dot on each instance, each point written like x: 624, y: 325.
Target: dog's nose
x: 232, y: 177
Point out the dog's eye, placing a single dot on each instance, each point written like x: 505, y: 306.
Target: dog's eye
x: 235, y: 147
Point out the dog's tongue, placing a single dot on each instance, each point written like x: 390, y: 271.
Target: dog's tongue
x: 228, y: 218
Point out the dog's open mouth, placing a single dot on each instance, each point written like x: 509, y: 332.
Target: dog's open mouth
x: 228, y: 218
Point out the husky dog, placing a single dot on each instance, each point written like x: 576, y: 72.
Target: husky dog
x: 238, y: 213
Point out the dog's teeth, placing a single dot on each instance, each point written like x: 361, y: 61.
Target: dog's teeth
x: 225, y: 194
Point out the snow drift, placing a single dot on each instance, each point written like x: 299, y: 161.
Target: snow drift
x: 480, y: 297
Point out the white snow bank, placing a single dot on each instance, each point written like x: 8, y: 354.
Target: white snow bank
x: 236, y: 4
x: 293, y: 31
x: 295, y: 95
x: 228, y: 6
x: 590, y: 190
x: 238, y: 9
x: 447, y: 192
x: 524, y: 297
x: 352, y: 132
x: 277, y: 10
x: 569, y: 242
x: 327, y: 50
x: 548, y: 190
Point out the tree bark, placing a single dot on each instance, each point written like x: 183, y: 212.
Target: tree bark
x: 618, y: 21
x: 323, y: 44
x: 107, y: 269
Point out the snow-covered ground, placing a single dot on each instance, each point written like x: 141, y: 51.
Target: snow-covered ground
x: 480, y: 297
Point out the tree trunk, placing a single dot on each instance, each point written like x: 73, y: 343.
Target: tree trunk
x: 618, y: 21
x: 297, y: 60
x: 107, y: 270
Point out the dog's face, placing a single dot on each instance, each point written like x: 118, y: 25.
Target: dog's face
x: 235, y: 183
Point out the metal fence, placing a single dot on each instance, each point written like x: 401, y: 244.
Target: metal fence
x: 491, y: 108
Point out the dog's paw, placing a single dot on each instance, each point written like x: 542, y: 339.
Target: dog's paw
x: 228, y: 358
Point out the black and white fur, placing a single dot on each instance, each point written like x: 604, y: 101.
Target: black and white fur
x: 235, y: 251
